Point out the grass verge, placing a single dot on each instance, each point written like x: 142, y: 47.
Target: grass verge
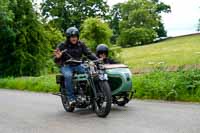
x: 179, y: 86
x: 37, y: 84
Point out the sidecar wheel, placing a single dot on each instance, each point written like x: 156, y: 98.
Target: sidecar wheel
x: 103, y: 103
x: 123, y: 102
x: 66, y: 104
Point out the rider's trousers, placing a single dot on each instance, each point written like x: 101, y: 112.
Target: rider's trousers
x: 68, y: 71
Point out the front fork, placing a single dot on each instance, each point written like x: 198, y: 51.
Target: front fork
x: 101, y: 77
x: 91, y: 81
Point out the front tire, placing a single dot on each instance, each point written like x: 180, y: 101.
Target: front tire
x: 65, y: 102
x: 103, y: 102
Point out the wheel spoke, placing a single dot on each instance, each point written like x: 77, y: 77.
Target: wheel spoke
x: 103, y: 102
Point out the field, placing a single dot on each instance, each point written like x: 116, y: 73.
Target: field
x: 172, y: 52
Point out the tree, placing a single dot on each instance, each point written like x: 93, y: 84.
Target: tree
x: 7, y: 38
x: 27, y: 51
x: 141, y: 18
x: 136, y: 36
x: 64, y: 14
x: 54, y: 35
x: 115, y: 18
x: 160, y: 30
x: 94, y: 31
x: 161, y: 8
x: 198, y: 26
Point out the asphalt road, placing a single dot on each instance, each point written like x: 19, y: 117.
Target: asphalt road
x: 25, y: 112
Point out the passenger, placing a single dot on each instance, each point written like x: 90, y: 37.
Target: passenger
x: 102, y: 52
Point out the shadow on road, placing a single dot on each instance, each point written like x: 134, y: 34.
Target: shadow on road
x: 114, y: 109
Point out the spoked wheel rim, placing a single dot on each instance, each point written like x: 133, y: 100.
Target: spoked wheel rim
x: 122, y: 101
x: 103, y: 101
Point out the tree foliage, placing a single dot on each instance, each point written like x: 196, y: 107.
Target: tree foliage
x: 7, y: 37
x: 54, y: 35
x: 115, y: 18
x: 28, y: 37
x: 198, y: 26
x: 138, y: 14
x: 27, y: 51
x: 161, y: 8
x: 64, y: 14
x: 94, y: 31
x: 136, y: 36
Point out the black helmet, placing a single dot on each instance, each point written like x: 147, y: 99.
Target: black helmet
x: 102, y: 48
x: 72, y: 31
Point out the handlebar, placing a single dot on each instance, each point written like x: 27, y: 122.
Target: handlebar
x: 98, y: 61
x: 71, y: 60
x: 83, y: 61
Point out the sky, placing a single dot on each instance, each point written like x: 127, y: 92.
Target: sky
x: 182, y: 20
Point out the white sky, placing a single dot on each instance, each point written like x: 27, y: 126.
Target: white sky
x: 182, y: 20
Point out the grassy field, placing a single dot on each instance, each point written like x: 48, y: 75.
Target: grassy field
x: 173, y: 52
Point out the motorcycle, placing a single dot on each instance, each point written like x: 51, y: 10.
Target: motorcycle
x: 91, y: 88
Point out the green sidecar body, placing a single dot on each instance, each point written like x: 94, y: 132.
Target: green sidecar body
x: 120, y: 81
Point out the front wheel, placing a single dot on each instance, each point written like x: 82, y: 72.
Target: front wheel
x: 102, y: 103
x: 65, y: 102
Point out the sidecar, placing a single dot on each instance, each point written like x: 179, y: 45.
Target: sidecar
x: 120, y: 81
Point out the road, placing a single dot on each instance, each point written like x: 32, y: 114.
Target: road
x: 28, y: 112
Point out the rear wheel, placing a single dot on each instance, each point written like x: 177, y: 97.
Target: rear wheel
x: 103, y: 103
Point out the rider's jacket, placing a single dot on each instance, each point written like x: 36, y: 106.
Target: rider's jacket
x: 74, y: 51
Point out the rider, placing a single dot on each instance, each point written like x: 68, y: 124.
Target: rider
x: 74, y: 49
x: 102, y: 52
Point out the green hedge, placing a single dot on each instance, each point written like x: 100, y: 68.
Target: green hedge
x: 181, y: 85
